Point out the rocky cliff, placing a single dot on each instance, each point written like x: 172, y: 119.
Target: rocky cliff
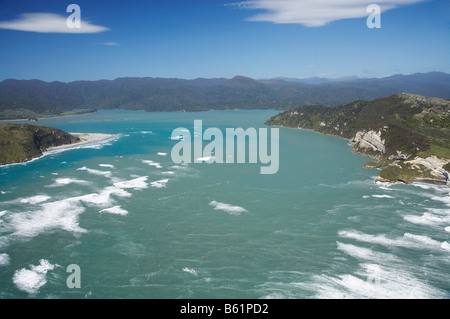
x: 408, y: 134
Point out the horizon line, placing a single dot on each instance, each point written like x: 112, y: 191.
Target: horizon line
x: 283, y: 78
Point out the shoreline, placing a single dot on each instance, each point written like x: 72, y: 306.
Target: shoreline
x: 45, y: 118
x: 85, y: 139
x: 342, y: 138
x: 378, y: 179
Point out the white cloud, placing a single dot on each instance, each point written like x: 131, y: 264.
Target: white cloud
x: 315, y: 13
x: 48, y: 23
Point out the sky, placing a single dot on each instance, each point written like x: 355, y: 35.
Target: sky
x: 190, y: 39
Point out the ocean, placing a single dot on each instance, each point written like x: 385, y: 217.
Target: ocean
x: 138, y: 225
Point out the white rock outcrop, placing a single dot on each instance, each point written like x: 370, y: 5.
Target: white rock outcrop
x: 433, y: 163
x: 370, y: 140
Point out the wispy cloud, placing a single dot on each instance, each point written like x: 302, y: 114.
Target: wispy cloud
x: 315, y: 13
x: 48, y: 23
x: 108, y: 43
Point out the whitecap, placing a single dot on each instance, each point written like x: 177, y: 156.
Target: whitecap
x: 152, y: 163
x: 146, y: 132
x: 423, y: 186
x: 447, y: 229
x: 35, y: 199
x: 427, y: 219
x: 103, y: 198
x: 372, y: 281
x: 233, y: 210
x: 159, y: 184
x: 383, y: 196
x: 64, y: 213
x: 444, y: 199
x: 365, y: 253
x: 4, y: 259
x: 59, y: 214
x: 117, y: 210
x: 190, y: 271
x: 68, y: 181
x: 445, y: 246
x: 177, y: 138
x: 31, y: 280
x: 427, y: 241
x: 407, y: 240
x: 95, y: 171
x: 2, y: 192
x: 137, y: 183
x: 106, y: 165
x: 162, y: 154
x: 3, y: 212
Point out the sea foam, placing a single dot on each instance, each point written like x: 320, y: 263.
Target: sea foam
x: 95, y: 171
x: 407, y: 240
x: 59, y: 214
x: 233, y: 210
x: 427, y: 219
x: 68, y: 181
x: 106, y: 165
x: 190, y: 271
x: 117, y: 210
x: 445, y: 246
x: 152, y: 163
x: 373, y: 281
x: 383, y: 196
x: 4, y: 259
x: 159, y: 184
x: 137, y: 183
x: 31, y: 280
x: 35, y: 199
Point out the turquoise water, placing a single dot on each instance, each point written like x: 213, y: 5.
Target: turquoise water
x: 140, y: 226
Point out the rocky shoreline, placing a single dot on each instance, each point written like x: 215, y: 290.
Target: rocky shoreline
x: 406, y: 134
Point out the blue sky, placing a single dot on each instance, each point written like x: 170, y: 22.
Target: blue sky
x: 214, y: 38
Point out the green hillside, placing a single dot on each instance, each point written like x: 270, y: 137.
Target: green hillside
x: 23, y: 142
x: 399, y: 131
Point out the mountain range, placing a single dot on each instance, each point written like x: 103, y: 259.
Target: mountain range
x: 40, y: 98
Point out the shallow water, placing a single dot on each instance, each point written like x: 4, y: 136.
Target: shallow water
x: 140, y: 226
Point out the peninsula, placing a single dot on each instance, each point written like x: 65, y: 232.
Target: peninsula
x: 20, y: 143
x: 407, y: 134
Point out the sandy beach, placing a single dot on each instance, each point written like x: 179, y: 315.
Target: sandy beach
x: 86, y: 138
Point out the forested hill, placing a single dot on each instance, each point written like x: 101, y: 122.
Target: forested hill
x: 35, y: 97
x: 408, y: 133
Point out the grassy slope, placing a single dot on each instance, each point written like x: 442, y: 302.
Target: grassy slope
x: 23, y: 142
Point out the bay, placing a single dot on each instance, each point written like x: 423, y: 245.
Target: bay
x: 140, y: 226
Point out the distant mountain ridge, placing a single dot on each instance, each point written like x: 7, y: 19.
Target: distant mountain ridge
x: 170, y: 94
